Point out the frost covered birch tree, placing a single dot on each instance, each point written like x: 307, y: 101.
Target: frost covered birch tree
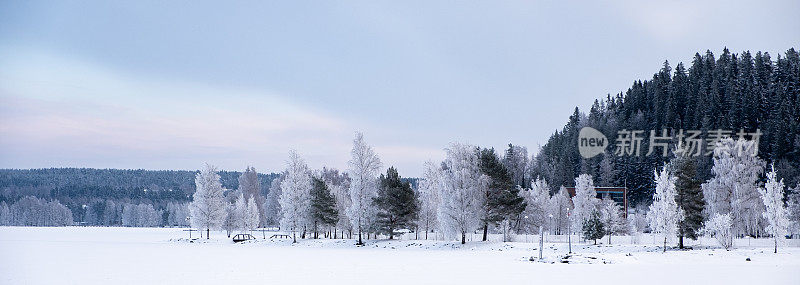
x: 538, y: 206
x: 207, y: 209
x: 251, y: 218
x: 429, y: 198
x: 363, y: 170
x: 559, y: 205
x: 611, y: 216
x: 664, y: 214
x: 250, y: 185
x: 734, y: 188
x: 295, y: 198
x: 775, y: 213
x: 272, y: 205
x: 461, y: 184
x: 585, y: 201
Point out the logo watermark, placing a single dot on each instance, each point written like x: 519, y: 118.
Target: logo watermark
x: 592, y: 142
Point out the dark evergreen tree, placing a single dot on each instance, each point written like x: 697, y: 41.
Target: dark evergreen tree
x: 396, y: 202
x: 502, y: 197
x: 593, y: 228
x: 323, y: 206
x: 690, y: 197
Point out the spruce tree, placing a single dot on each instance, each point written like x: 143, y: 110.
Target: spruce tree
x: 396, y: 203
x: 323, y: 206
x: 502, y: 197
x: 593, y: 228
x: 690, y: 197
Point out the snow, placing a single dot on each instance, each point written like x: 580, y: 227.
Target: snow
x: 107, y: 255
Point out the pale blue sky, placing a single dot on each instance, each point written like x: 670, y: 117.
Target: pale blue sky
x: 155, y: 85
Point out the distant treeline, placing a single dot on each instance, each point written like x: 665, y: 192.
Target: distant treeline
x: 111, y: 196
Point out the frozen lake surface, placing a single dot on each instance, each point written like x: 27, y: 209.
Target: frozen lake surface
x: 89, y: 255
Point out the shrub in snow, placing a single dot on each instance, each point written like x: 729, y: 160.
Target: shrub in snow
x: 719, y: 227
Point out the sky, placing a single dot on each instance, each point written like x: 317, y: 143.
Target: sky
x: 176, y: 84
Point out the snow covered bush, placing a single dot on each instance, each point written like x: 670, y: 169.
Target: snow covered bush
x: 719, y: 227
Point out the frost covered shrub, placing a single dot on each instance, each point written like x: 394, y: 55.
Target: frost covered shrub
x: 719, y: 227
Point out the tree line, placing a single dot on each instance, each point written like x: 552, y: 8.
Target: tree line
x: 103, y: 197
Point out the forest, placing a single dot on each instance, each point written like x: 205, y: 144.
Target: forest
x: 733, y: 92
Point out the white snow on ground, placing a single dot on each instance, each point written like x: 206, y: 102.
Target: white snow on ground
x: 87, y: 255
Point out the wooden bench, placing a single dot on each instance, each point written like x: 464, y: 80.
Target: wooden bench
x: 279, y: 236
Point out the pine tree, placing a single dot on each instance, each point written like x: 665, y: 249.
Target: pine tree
x: 323, y: 206
x: 690, y: 197
x: 396, y: 203
x: 501, y: 199
x: 593, y: 228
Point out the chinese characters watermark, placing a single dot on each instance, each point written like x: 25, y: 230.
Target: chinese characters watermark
x: 592, y: 142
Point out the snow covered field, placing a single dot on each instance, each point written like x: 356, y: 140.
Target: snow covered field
x: 77, y: 255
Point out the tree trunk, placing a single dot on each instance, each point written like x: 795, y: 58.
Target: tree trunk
x: 294, y: 237
x: 680, y: 241
x: 359, y: 236
x: 316, y: 235
x: 207, y: 231
x: 485, y: 230
x: 665, y: 244
x: 776, y: 244
x: 463, y: 237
